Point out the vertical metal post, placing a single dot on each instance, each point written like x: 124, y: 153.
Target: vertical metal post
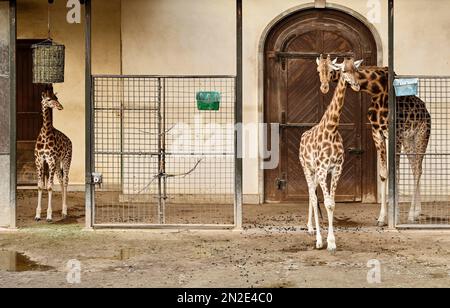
x: 164, y: 149
x: 161, y: 157
x: 392, y: 123
x: 89, y: 134
x: 238, y: 119
x: 12, y: 116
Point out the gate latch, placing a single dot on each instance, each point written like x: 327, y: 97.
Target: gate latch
x: 97, y: 179
x: 356, y: 151
x: 281, y: 183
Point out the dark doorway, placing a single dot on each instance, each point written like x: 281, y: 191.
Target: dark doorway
x: 29, y: 113
x: 293, y: 99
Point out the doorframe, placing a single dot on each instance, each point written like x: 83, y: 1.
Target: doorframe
x: 261, y: 66
x: 13, y: 113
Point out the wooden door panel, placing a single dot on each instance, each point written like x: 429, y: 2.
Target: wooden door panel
x: 29, y: 114
x: 293, y: 96
x: 302, y: 96
x: 29, y: 117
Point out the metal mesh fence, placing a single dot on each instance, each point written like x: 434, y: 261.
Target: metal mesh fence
x: 163, y: 160
x: 423, y: 154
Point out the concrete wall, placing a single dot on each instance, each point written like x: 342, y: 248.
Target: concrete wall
x: 5, y: 209
x: 198, y: 37
x: 32, y: 24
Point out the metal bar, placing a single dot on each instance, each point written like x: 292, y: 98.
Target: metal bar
x: 309, y: 125
x: 423, y: 154
x: 160, y: 168
x: 125, y: 109
x: 13, y: 109
x: 163, y: 152
x: 164, y: 227
x: 423, y: 227
x: 156, y: 154
x: 164, y: 76
x: 422, y: 76
x: 392, y: 122
x: 89, y: 157
x: 122, y: 99
x: 127, y: 153
x: 238, y: 117
x: 308, y: 55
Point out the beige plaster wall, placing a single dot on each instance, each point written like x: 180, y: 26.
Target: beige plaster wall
x: 198, y: 37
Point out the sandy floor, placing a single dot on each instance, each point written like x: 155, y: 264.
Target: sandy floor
x: 273, y: 251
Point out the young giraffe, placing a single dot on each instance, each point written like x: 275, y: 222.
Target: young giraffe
x: 322, y: 153
x: 413, y: 126
x: 53, y: 153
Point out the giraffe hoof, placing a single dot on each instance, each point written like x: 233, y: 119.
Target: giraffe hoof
x: 49, y: 221
x: 37, y: 219
x: 381, y: 224
x: 64, y: 216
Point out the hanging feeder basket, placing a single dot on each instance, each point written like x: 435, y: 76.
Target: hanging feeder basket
x: 48, y: 62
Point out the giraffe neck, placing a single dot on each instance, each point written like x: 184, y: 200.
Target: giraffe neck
x: 47, y: 123
x: 332, y: 116
x: 373, y: 80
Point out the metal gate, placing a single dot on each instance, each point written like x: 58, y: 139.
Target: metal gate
x: 159, y: 160
x: 423, y: 168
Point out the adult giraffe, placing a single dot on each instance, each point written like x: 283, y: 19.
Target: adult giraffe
x: 413, y: 126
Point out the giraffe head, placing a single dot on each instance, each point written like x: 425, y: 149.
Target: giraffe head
x: 325, y: 67
x: 349, y: 72
x: 50, y: 100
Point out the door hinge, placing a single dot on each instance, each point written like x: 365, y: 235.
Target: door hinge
x: 356, y: 151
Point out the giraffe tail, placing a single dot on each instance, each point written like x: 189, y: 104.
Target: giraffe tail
x: 46, y: 172
x: 318, y: 205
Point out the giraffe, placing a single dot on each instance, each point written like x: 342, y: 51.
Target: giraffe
x: 322, y: 153
x: 413, y: 127
x: 53, y: 154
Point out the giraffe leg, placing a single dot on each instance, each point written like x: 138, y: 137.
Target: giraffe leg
x: 65, y: 173
x: 41, y: 185
x: 311, y: 183
x: 417, y: 148
x: 51, y: 175
x: 330, y: 204
x: 60, y: 174
x: 380, y: 144
x: 312, y: 187
x: 322, y: 175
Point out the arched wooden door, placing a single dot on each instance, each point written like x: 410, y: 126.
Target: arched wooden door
x: 293, y: 99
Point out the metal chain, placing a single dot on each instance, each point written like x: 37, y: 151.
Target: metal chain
x: 48, y: 21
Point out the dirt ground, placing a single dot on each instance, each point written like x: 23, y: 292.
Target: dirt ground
x: 273, y: 251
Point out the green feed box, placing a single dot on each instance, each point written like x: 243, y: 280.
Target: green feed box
x: 208, y: 101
